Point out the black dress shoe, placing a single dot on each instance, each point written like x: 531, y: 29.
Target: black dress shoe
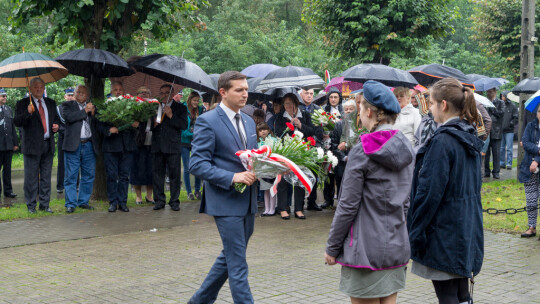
x: 175, y: 207
x: 46, y: 209
x: 112, y: 208
x: 531, y: 232
x: 149, y: 201
x: 314, y: 207
x: 302, y: 217
x: 32, y: 210
x: 123, y: 208
x: 159, y: 206
x: 286, y: 217
x: 70, y: 209
x: 86, y: 206
x: 10, y: 195
x: 496, y: 176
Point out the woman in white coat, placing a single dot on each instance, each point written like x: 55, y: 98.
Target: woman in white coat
x: 409, y: 118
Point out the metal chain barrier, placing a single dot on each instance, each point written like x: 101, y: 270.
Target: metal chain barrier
x: 494, y: 211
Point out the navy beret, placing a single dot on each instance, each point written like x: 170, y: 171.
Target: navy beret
x: 69, y: 91
x: 2, y: 91
x: 380, y: 96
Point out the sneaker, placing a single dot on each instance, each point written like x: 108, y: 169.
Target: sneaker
x: 191, y: 197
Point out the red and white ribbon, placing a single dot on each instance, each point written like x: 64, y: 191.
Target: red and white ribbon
x: 266, y: 151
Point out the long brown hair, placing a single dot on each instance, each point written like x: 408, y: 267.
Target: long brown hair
x: 193, y: 111
x: 459, y: 98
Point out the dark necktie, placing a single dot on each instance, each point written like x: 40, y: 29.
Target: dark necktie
x: 237, y: 117
x: 42, y: 115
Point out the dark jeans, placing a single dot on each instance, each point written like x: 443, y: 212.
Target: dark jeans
x: 186, y: 153
x: 495, y: 149
x: 5, y: 165
x: 60, y: 169
x: 453, y: 291
x: 299, y: 194
x: 117, y: 167
x: 159, y: 162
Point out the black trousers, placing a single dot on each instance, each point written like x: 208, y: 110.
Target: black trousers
x: 494, y: 148
x: 453, y: 291
x: 5, y: 165
x: 60, y: 169
x: 332, y: 183
x: 160, y: 161
x: 299, y: 194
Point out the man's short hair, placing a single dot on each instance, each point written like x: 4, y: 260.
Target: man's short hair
x: 117, y: 83
x: 225, y: 78
x: 168, y: 86
x: 80, y: 86
x: 37, y: 79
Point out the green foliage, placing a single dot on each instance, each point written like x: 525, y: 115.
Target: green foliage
x: 497, y: 27
x: 376, y: 31
x: 107, y: 24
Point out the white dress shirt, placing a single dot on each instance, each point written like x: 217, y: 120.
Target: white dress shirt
x: 230, y: 114
x: 85, y: 132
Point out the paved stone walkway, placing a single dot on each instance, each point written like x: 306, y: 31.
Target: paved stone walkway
x: 120, y: 258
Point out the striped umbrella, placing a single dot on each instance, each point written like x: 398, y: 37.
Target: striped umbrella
x: 17, y: 70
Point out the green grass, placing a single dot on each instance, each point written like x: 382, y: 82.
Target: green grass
x: 20, y: 211
x: 502, y: 195
x: 17, y: 162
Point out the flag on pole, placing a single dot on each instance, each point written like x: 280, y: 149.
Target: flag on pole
x: 327, y: 77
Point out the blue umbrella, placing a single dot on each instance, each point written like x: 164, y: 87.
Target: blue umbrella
x: 259, y: 70
x: 532, y: 102
x: 485, y: 84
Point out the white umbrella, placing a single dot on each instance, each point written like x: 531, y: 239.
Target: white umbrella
x: 484, y: 101
x: 513, y: 97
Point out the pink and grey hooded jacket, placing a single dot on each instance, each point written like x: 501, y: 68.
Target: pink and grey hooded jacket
x: 369, y: 228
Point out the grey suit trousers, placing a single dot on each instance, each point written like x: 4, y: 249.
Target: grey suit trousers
x: 37, y: 177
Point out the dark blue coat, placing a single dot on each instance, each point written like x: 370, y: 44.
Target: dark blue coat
x: 530, y: 140
x: 445, y: 215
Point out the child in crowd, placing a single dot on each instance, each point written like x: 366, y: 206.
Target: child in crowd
x: 263, y: 131
x: 368, y: 236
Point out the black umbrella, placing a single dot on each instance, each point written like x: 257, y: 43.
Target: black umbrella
x: 291, y: 76
x: 94, y: 63
x: 259, y: 70
x: 475, y: 77
x: 280, y: 92
x: 379, y: 72
x: 527, y: 86
x: 428, y: 74
x: 215, y: 78
x: 175, y: 70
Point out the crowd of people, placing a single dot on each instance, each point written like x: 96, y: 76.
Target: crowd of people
x: 407, y: 182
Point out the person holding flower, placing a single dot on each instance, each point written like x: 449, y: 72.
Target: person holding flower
x: 117, y: 147
x: 141, y: 170
x: 193, y: 111
x: 368, y: 236
x: 287, y: 122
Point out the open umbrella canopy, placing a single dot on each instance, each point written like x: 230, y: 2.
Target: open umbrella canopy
x: 475, y: 77
x: 17, y: 70
x: 428, y: 74
x: 291, y: 76
x: 527, y: 86
x: 259, y: 70
x: 485, y: 84
x: 379, y: 72
x: 344, y: 86
x: 532, y: 102
x: 94, y: 63
x: 280, y: 92
x: 175, y: 70
x: 484, y: 101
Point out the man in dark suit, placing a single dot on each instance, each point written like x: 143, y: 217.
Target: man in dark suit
x: 166, y: 136
x: 36, y: 116
x: 9, y: 143
x: 218, y: 134
x: 79, y: 149
x: 68, y: 96
x: 117, y: 147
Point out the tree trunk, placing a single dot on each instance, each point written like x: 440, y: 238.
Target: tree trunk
x: 100, y: 183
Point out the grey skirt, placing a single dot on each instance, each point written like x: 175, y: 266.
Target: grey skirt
x: 365, y: 284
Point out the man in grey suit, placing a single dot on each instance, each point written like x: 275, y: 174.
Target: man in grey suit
x: 36, y: 116
x: 218, y: 135
x: 8, y: 144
